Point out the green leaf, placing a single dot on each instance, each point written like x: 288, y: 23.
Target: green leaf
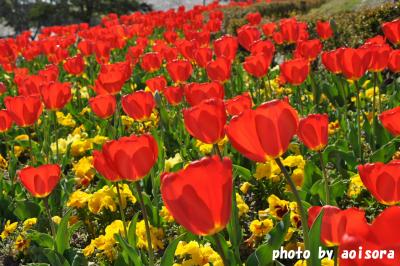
x: 25, y: 209
x: 42, y: 239
x: 263, y: 254
x: 132, y: 253
x: 242, y: 171
x: 132, y: 238
x: 315, y: 240
x: 385, y: 153
x: 62, y: 235
x: 234, y: 229
x: 169, y: 253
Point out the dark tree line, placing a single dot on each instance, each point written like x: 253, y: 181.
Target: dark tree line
x: 26, y: 14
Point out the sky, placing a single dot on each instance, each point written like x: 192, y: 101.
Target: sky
x: 163, y: 5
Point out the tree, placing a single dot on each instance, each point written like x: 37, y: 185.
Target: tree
x: 26, y: 14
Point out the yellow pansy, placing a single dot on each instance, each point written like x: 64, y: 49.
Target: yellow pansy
x: 243, y: 208
x: 356, y: 186
x: 277, y: 207
x: 193, y: 253
x: 156, y: 235
x: 166, y: 215
x: 28, y: 223
x: 261, y: 228
x: 78, y: 199
x: 9, y: 228
x: 171, y: 162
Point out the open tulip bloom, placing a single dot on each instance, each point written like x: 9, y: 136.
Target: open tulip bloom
x: 157, y: 138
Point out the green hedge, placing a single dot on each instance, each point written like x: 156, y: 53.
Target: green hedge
x: 351, y: 28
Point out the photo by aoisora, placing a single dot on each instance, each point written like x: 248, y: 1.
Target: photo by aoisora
x: 158, y: 139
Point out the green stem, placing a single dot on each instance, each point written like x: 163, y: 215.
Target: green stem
x: 296, y: 194
x: 358, y: 120
x: 47, y: 207
x: 374, y: 110
x: 121, y: 210
x: 269, y: 86
x: 220, y: 250
x: 326, y: 178
x: 146, y: 223
x: 30, y: 145
x: 54, y: 115
x: 217, y: 151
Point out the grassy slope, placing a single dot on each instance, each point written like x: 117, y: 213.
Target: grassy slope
x: 336, y: 6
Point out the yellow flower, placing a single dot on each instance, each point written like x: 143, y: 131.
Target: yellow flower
x: 333, y: 127
x: 327, y: 262
x: 356, y: 186
x: 21, y: 243
x: 84, y: 170
x: 171, y: 162
x: 294, y: 161
x: 28, y: 223
x: 126, y: 194
x: 85, y: 110
x: 103, y: 198
x: 126, y: 120
x: 261, y: 228
x: 56, y: 219
x: 80, y: 146
x: 18, y: 150
x: 9, y: 228
x: 62, y: 146
x: 289, y: 233
x: 204, y: 147
x: 301, y: 263
x: 268, y: 170
x: 65, y: 120
x: 22, y: 137
x: 277, y: 207
x: 295, y: 148
x: 166, y: 215
x: 298, y: 176
x: 243, y: 208
x: 3, y: 163
x: 245, y: 187
x: 193, y: 253
x: 78, y: 199
x: 99, y: 140
x: 156, y: 235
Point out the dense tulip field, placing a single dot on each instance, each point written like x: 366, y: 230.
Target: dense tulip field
x: 157, y: 139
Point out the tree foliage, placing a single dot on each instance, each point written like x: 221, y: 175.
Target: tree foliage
x: 26, y: 14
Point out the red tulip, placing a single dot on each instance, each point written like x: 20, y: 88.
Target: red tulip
x: 354, y: 62
x: 104, y: 168
x: 206, y: 120
x: 170, y: 53
x: 179, y: 70
x: 187, y: 48
x: 295, y: 71
x: 264, y: 132
x: 30, y: 84
x: 390, y: 120
x: 130, y: 158
x: 151, y: 62
x: 200, y: 195
x: 238, y: 104
x: 379, y: 56
x: 394, y: 61
x: 50, y: 73
x: 336, y: 223
x: 278, y: 37
x: 263, y: 47
x: 392, y: 31
x: 290, y: 30
x: 24, y: 110
x: 331, y: 60
x: 226, y: 46
x: 3, y: 88
x: 5, y: 121
x: 195, y: 93
x: 112, y: 77
x: 56, y: 95
x: 170, y: 36
x: 219, y: 69
x: 382, y: 180
x: 173, y: 94
x: 103, y: 105
x: 247, y: 35
x: 156, y: 84
x: 324, y: 30
x: 202, y: 56
x: 253, y: 18
x: 313, y: 131
x: 309, y: 49
x: 269, y: 29
x: 139, y: 105
x: 40, y: 181
x: 75, y: 65
x: 257, y: 65
x: 382, y: 236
